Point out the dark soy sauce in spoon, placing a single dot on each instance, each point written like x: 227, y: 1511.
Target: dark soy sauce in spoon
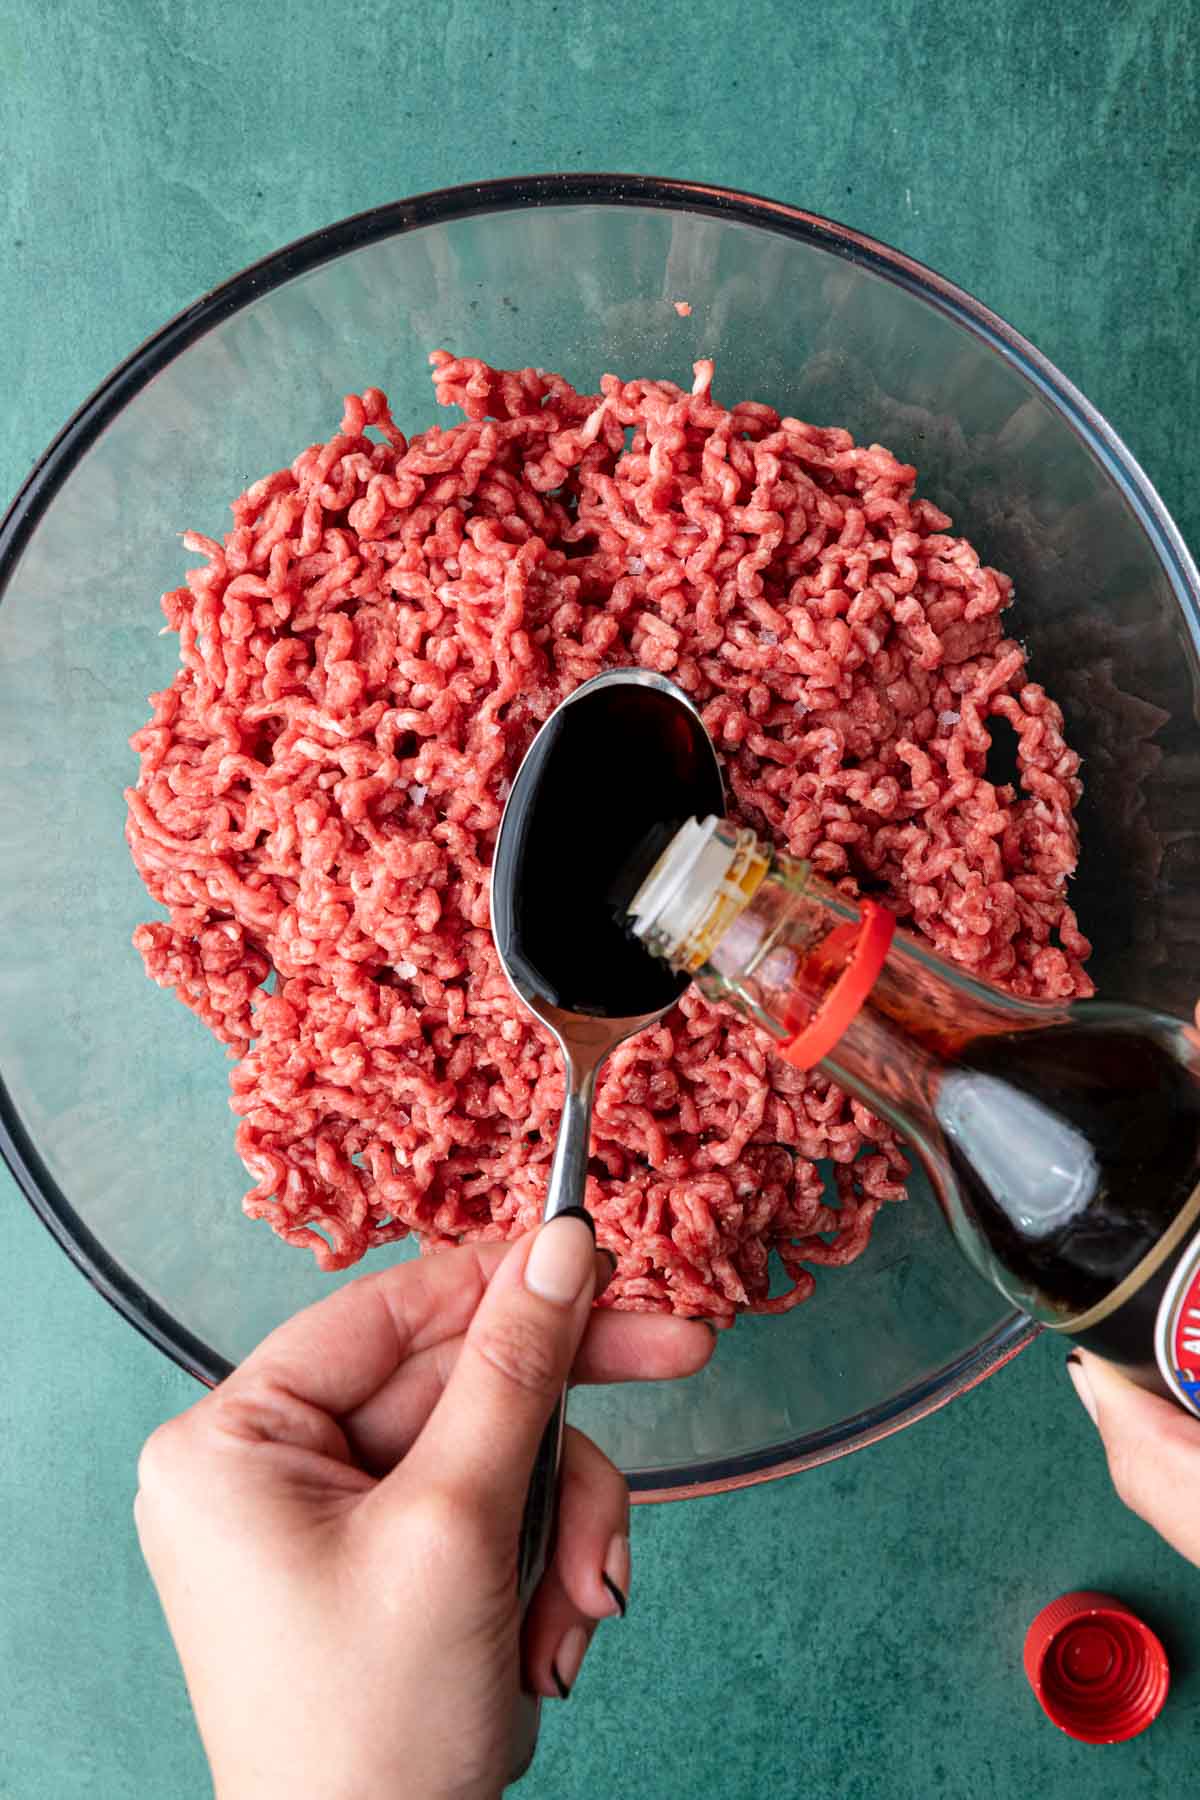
x: 604, y: 788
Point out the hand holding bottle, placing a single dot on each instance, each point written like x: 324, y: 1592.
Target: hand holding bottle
x: 1153, y: 1450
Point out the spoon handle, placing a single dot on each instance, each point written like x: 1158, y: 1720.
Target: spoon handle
x: 564, y: 1193
x: 534, y: 1551
x: 568, y: 1171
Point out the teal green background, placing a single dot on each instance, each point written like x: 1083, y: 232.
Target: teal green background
x: 854, y: 1632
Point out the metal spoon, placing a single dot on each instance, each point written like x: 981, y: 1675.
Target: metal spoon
x: 585, y: 1038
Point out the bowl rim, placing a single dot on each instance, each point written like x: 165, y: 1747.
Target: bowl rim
x: 440, y: 206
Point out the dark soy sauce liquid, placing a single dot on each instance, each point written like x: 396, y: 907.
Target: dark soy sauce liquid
x: 602, y: 792
x: 1075, y: 1146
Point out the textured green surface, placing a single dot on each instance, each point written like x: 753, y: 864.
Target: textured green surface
x: 855, y: 1632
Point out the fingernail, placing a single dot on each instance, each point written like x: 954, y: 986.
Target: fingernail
x: 1082, y: 1385
x: 562, y: 1260
x: 709, y: 1326
x: 606, y: 1269
x: 567, y: 1660
x: 615, y: 1573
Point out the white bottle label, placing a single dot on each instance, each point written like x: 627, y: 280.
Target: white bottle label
x: 1177, y: 1337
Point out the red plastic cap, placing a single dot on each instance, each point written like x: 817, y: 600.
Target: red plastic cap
x: 1098, y: 1671
x: 866, y: 946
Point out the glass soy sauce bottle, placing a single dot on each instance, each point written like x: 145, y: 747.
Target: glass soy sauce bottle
x: 1063, y: 1142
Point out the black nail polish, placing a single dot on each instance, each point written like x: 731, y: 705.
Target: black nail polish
x: 709, y: 1326
x: 1073, y: 1357
x: 611, y: 1255
x: 564, y: 1692
x: 577, y: 1212
x: 614, y: 1590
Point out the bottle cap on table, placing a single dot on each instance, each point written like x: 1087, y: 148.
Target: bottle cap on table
x: 1098, y: 1671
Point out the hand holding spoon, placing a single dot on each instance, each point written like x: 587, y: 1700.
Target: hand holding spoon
x: 610, y: 777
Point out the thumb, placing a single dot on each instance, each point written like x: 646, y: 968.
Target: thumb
x: 481, y: 1438
x: 1153, y: 1450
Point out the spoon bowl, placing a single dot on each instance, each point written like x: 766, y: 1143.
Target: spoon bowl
x: 575, y: 837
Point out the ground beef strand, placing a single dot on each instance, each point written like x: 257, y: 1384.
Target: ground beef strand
x: 364, y: 660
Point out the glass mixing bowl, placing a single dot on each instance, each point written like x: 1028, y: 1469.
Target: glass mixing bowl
x: 114, y: 1117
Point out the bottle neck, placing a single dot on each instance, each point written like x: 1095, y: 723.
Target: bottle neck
x: 767, y: 934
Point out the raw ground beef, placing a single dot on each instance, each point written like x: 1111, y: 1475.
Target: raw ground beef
x: 363, y: 663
